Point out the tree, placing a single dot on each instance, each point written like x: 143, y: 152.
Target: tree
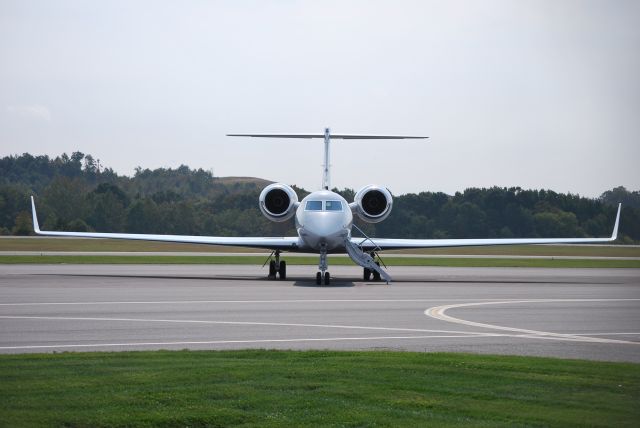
x: 65, y: 197
x: 23, y: 224
x: 143, y: 216
x: 557, y: 224
x: 347, y: 193
x: 79, y: 225
x: 621, y: 195
x: 107, y: 208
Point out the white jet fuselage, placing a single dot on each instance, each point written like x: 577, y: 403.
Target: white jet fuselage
x: 324, y: 220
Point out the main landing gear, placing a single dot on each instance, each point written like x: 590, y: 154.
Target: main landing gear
x: 368, y: 272
x: 277, y: 267
x: 323, y: 276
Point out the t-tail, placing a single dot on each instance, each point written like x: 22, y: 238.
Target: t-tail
x: 327, y: 136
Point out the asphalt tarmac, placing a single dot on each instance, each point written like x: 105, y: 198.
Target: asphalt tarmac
x: 568, y: 313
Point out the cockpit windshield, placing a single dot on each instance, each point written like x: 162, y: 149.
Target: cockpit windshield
x: 334, y: 205
x: 318, y: 206
x: 313, y: 206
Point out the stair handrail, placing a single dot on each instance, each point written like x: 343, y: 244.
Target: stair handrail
x: 377, y: 248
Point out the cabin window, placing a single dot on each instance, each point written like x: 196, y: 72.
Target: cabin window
x: 313, y: 206
x: 334, y: 206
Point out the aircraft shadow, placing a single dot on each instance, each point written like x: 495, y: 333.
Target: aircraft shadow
x: 335, y: 283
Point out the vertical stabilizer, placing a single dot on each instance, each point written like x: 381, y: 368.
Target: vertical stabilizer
x: 326, y: 177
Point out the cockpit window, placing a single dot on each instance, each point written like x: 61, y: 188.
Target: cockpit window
x: 334, y: 206
x: 313, y: 206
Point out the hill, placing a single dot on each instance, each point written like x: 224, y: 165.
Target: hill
x: 233, y: 181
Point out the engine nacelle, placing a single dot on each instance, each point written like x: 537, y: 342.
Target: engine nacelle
x: 372, y: 203
x: 278, y: 202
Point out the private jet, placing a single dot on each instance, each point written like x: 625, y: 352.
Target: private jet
x: 324, y: 223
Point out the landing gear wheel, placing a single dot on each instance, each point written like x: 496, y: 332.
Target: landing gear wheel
x: 376, y: 274
x: 367, y: 274
x: 283, y: 270
x: 327, y: 278
x: 272, y: 270
x: 318, y: 278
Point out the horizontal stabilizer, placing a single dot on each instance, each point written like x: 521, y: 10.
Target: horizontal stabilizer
x: 333, y: 136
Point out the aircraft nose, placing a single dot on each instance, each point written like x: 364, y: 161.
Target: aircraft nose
x: 324, y: 229
x: 324, y: 224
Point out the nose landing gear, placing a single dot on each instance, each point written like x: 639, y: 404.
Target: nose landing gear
x: 323, y: 274
x: 319, y: 278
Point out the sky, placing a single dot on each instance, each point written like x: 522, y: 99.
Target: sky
x: 536, y: 94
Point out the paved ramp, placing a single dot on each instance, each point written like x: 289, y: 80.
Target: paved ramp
x: 572, y: 313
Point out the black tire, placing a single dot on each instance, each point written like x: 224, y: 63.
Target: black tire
x: 327, y: 278
x: 318, y: 278
x: 376, y: 274
x: 367, y: 274
x: 283, y: 270
x: 272, y: 269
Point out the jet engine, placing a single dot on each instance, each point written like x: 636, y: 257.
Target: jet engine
x: 372, y: 203
x: 278, y: 202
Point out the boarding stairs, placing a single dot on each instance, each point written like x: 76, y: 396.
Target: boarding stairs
x: 363, y: 259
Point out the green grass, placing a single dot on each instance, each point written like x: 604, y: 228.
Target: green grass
x: 313, y: 388
x: 534, y: 250
x: 71, y: 244
x: 313, y: 260
x: 33, y: 243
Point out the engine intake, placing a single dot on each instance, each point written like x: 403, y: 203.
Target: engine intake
x: 373, y: 203
x: 278, y: 202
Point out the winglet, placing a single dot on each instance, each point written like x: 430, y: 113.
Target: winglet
x: 614, y: 235
x: 36, y: 226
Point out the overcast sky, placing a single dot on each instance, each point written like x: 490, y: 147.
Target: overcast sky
x: 537, y: 94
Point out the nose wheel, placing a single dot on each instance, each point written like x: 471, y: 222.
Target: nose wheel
x: 323, y: 277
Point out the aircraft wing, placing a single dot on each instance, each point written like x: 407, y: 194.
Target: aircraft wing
x: 285, y: 243
x: 379, y: 244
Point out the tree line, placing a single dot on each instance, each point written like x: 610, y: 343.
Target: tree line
x: 76, y: 193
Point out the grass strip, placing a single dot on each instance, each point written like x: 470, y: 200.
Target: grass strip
x: 313, y: 388
x: 313, y: 260
x: 47, y: 243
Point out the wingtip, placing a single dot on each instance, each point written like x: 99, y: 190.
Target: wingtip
x: 36, y: 226
x: 614, y: 235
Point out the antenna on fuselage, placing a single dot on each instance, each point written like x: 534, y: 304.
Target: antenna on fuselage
x: 326, y: 179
